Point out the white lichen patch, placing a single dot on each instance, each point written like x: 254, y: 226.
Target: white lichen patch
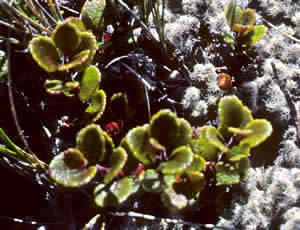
x: 204, y: 94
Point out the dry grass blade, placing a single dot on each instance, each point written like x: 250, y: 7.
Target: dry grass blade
x: 20, y: 18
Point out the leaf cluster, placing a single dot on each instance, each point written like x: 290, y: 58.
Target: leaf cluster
x: 241, y: 22
x: 70, y: 47
x: 165, y: 157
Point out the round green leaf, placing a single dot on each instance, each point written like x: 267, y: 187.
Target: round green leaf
x: 227, y: 174
x: 232, y: 13
x: 138, y: 144
x: 244, y: 165
x: 261, y: 130
x: 44, y: 53
x: 238, y: 152
x: 77, y: 60
x: 118, y: 192
x: 92, y: 12
x: 96, y: 108
x: 91, y: 141
x: 151, y: 181
x: 197, y: 165
x: 58, y: 87
x: 77, y: 23
x: 253, y: 35
x: 54, y: 86
x: 119, y: 105
x: 240, y: 132
x: 181, y: 158
x: 212, y: 138
x: 90, y: 83
x: 69, y: 169
x: 66, y: 37
x: 183, y: 134
x: 164, y: 127
x: 122, y: 189
x: 202, y: 147
x: 117, y: 162
x: 197, y: 180
x: 88, y: 42
x: 232, y: 114
x: 247, y: 17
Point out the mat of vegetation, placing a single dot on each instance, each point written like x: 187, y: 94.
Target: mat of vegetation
x: 150, y: 114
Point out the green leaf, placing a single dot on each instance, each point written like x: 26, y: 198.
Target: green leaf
x: 69, y: 169
x: 96, y: 108
x: 232, y: 114
x: 212, y: 138
x: 70, y: 86
x: 92, y: 13
x: 77, y: 60
x: 197, y: 165
x: 119, y: 105
x: 241, y: 28
x: 247, y: 18
x: 137, y: 142
x: 164, y: 127
x: 92, y: 143
x: 197, y: 180
x: 3, y: 64
x: 169, y: 179
x: 202, y: 147
x: 117, y: 162
x: 253, y: 35
x: 118, y: 192
x: 232, y: 13
x: 44, y: 53
x: 58, y: 87
x: 90, y: 83
x: 181, y: 158
x: 226, y: 174
x: 88, y: 42
x: 261, y: 130
x: 240, y: 132
x: 244, y: 165
x: 229, y: 39
x: 77, y: 23
x: 122, y: 189
x: 151, y: 181
x: 66, y: 37
x: 17, y: 153
x: 183, y: 134
x: 172, y: 200
x: 238, y: 152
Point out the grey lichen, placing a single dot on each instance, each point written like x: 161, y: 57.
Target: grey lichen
x: 269, y: 198
x: 178, y: 32
x: 274, y: 8
x: 203, y: 96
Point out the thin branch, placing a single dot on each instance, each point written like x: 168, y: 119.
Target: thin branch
x: 144, y: 27
x: 25, y: 17
x: 13, y: 108
x: 167, y: 220
x: 284, y: 33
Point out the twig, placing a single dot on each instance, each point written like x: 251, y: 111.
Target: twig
x: 284, y: 33
x: 24, y: 17
x: 167, y: 220
x: 13, y: 108
x: 288, y: 99
x: 144, y: 27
